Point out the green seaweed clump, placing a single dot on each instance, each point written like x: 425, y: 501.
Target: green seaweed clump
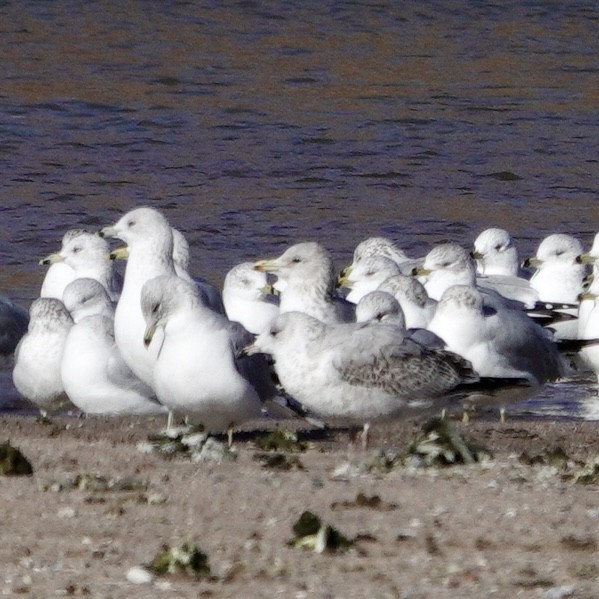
x: 441, y: 445
x: 281, y: 440
x: 311, y: 533
x: 13, y: 462
x: 186, y: 559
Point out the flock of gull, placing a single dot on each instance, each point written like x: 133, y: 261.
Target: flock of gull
x: 389, y: 336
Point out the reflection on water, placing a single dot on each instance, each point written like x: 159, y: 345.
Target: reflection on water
x: 256, y: 124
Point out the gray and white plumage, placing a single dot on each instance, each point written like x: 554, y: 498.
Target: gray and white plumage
x: 382, y: 246
x: 589, y: 295
x: 559, y: 277
x: 308, y: 276
x: 87, y: 255
x: 36, y: 373
x: 87, y: 297
x: 209, y: 294
x: 380, y: 306
x: 13, y: 325
x: 149, y: 240
x: 497, y: 340
x: 366, y: 276
x: 358, y: 372
x: 95, y: 377
x: 417, y: 306
x: 195, y: 373
x: 246, y: 298
x: 59, y: 274
x: 496, y: 254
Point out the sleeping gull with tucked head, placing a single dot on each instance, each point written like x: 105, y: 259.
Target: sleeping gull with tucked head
x: 308, y: 276
x: 87, y: 297
x: 36, y: 373
x: 96, y: 378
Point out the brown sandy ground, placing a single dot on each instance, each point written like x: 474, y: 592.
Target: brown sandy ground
x: 523, y: 524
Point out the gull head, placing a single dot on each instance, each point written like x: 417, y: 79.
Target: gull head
x: 495, y: 253
x: 161, y: 298
x: 287, y: 332
x: 144, y: 227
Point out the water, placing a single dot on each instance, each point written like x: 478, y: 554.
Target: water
x: 257, y: 124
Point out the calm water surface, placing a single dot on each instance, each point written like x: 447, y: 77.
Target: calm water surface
x: 254, y: 125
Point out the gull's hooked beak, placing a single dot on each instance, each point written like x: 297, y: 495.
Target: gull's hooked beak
x: 343, y: 278
x: 585, y: 258
x: 476, y: 255
x: 107, y: 232
x: 120, y: 253
x: 51, y: 259
x: 251, y: 349
x: 532, y: 262
x: 149, y: 334
x: 266, y: 265
x: 420, y: 271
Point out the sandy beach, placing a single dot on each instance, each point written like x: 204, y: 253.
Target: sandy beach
x: 523, y: 522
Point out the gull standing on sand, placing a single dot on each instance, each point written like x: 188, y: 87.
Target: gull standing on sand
x: 38, y: 357
x: 361, y: 372
x: 195, y: 374
x: 87, y: 255
x: 247, y: 299
x: 308, y: 276
x: 149, y: 240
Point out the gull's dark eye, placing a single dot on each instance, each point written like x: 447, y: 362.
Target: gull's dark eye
x: 130, y: 223
x: 274, y: 333
x: 296, y: 260
x: 370, y: 273
x: 76, y: 249
x: 155, y: 308
x: 498, y: 248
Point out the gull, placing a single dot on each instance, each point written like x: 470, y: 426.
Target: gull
x: 59, y: 274
x: 380, y: 306
x: 559, y: 277
x: 417, y: 306
x: 360, y: 372
x: 195, y: 374
x: 87, y: 297
x: 496, y: 254
x: 13, y: 325
x: 382, y: 246
x: 366, y: 276
x: 36, y: 373
x: 497, y: 340
x: 247, y: 299
x: 149, y: 252
x: 87, y: 255
x: 308, y: 276
x: 95, y: 377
